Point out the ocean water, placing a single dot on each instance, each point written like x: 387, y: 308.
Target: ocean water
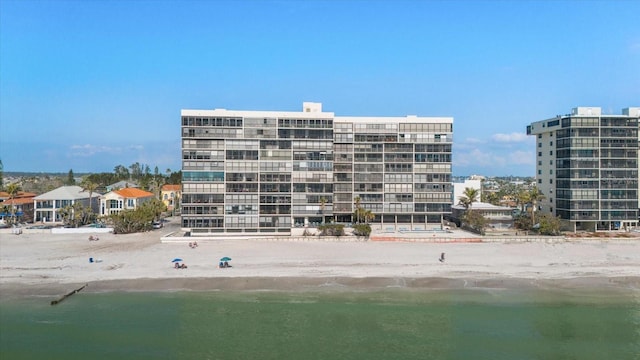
x: 390, y: 324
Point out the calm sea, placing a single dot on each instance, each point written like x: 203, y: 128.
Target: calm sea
x: 393, y: 324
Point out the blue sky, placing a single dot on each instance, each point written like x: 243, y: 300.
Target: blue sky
x: 88, y: 85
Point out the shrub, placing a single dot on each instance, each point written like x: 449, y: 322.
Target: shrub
x: 362, y: 230
x: 331, y: 230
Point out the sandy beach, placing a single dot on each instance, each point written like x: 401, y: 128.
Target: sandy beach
x: 48, y: 264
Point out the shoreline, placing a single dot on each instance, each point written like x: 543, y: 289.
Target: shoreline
x: 572, y: 286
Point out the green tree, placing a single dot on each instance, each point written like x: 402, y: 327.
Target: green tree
x: 71, y: 180
x: 535, y: 196
x: 358, y: 208
x: 469, y: 196
x: 475, y: 221
x: 549, y: 225
x: 122, y: 173
x: 323, y: 204
x: 368, y: 216
x: 522, y: 199
x: 13, y: 189
x: 140, y: 219
x: 491, y: 197
x: 175, y: 178
x: 523, y: 222
x: 90, y: 186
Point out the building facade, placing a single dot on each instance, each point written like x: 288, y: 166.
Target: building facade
x: 170, y: 195
x: 116, y: 201
x: 265, y: 172
x: 587, y: 168
x: 48, y: 206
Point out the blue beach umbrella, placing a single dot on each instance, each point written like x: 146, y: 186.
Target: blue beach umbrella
x: 226, y: 258
x: 176, y: 260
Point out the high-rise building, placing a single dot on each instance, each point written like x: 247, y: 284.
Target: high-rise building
x: 587, y: 168
x: 266, y: 172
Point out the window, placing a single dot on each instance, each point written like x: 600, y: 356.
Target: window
x: 539, y: 181
x: 539, y: 153
x: 551, y: 152
x: 539, y: 144
x: 550, y: 181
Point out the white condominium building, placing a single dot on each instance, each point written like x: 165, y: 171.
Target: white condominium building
x: 587, y: 168
x: 266, y: 172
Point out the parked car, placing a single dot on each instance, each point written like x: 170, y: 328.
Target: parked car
x: 156, y: 224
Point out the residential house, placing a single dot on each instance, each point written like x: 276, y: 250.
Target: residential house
x: 170, y: 195
x: 123, y: 199
x: 21, y: 206
x: 48, y: 205
x: 499, y: 217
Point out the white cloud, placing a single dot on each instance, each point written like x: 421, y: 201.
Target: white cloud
x: 87, y: 150
x: 477, y: 157
x: 513, y: 137
x: 522, y: 158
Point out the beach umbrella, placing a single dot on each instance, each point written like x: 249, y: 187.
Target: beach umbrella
x: 226, y: 258
x: 176, y: 260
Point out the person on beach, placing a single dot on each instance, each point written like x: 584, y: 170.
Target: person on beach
x: 441, y: 258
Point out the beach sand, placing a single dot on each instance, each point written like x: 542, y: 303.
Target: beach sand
x: 53, y: 264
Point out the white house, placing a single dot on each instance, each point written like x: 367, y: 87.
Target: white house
x: 48, y: 205
x: 499, y: 217
x: 123, y: 199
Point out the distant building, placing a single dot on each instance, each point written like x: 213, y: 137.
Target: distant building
x: 587, y: 168
x: 130, y: 198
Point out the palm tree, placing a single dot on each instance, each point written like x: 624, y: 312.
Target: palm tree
x: 323, y: 202
x: 523, y: 198
x: 90, y: 186
x: 369, y: 216
x: 469, y: 196
x: 357, y: 202
x: 13, y: 189
x: 535, y: 195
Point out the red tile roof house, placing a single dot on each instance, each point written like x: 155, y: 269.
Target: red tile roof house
x: 123, y: 199
x: 22, y: 204
x: 48, y: 205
